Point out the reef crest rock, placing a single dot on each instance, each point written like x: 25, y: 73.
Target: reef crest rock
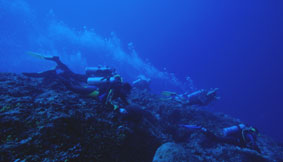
x: 172, y: 152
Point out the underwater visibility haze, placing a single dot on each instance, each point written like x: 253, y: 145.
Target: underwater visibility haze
x: 182, y: 46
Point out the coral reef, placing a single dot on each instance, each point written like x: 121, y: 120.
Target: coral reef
x: 41, y: 120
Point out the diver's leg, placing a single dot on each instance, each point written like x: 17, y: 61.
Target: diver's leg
x: 41, y: 74
x: 78, y: 89
x: 60, y: 64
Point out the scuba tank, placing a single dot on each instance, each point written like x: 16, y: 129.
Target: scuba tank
x: 101, y: 80
x: 99, y: 71
x: 233, y: 129
x: 98, y: 80
x: 190, y: 127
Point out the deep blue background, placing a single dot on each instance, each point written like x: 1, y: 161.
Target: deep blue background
x: 235, y: 46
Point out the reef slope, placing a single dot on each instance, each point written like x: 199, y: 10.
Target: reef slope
x: 41, y: 120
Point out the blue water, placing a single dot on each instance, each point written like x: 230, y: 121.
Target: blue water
x: 235, y: 46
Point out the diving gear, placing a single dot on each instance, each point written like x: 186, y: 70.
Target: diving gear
x: 101, y: 80
x: 233, y: 129
x: 99, y: 71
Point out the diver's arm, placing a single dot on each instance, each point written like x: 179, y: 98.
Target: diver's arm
x: 124, y: 99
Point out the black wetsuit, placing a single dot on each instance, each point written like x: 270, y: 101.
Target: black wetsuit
x: 110, y: 90
x: 242, y: 139
x: 61, y: 71
x: 119, y: 90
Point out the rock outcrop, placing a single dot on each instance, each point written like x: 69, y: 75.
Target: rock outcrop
x: 171, y: 152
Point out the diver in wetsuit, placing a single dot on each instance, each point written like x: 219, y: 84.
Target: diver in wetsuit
x: 239, y: 135
x: 61, y: 71
x: 201, y: 97
x: 101, y: 83
x: 245, y: 137
x: 105, y: 92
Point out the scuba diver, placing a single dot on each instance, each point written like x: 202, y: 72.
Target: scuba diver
x: 111, y: 85
x: 102, y: 83
x: 239, y: 135
x: 142, y: 83
x: 201, y: 97
x: 105, y: 93
x: 61, y: 70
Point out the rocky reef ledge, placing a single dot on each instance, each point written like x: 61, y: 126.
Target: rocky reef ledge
x: 41, y: 120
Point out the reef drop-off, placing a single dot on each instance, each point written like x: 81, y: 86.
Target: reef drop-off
x: 41, y: 120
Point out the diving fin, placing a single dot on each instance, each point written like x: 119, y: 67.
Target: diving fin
x: 34, y: 54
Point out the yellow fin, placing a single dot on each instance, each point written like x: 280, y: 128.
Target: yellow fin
x: 34, y: 54
x: 115, y: 107
x: 168, y: 94
x: 94, y: 94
